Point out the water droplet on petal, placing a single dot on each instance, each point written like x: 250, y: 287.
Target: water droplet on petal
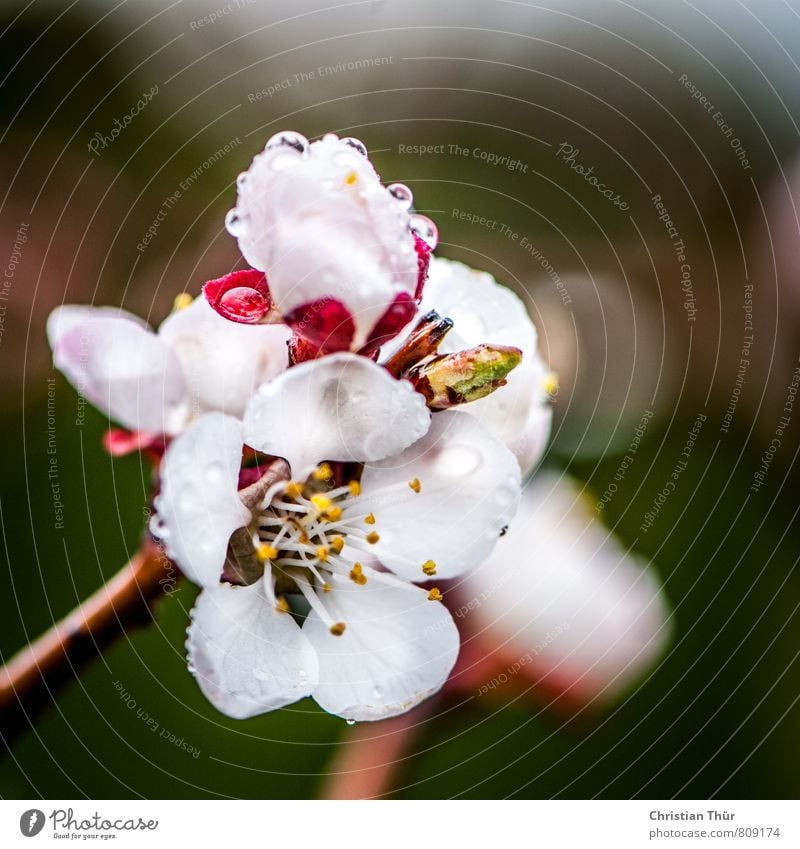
x: 356, y: 144
x: 234, y: 223
x: 458, y: 461
x: 402, y: 194
x: 243, y: 303
x: 425, y: 229
x: 350, y: 721
x: 289, y: 139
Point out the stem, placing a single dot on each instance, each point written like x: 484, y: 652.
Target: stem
x: 368, y: 759
x: 30, y: 679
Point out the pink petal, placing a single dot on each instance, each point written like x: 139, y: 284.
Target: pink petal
x: 241, y: 296
x: 326, y: 323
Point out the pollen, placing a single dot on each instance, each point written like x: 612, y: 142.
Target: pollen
x: 323, y: 472
x: 550, y: 383
x: 322, y: 553
x: 373, y: 537
x: 281, y: 605
x: 435, y: 594
x: 369, y: 519
x: 415, y: 485
x: 334, y: 513
x: 429, y: 567
x: 337, y: 544
x: 266, y: 552
x: 357, y: 574
x: 326, y: 587
x: 182, y: 300
x: 321, y: 502
x: 338, y: 628
x: 354, y: 487
x: 294, y: 489
x: 351, y: 178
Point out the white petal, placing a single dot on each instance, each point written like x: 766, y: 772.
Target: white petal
x: 199, y: 506
x: 248, y: 658
x: 325, y: 227
x: 223, y: 362
x: 470, y: 485
x: 560, y: 590
x: 119, y: 366
x: 398, y: 648
x: 340, y: 407
x: 530, y: 446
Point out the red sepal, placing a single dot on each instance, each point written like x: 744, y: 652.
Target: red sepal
x: 241, y: 296
x: 326, y: 324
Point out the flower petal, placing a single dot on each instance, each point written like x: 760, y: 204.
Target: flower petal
x: 119, y: 365
x: 321, y: 224
x: 340, y: 407
x: 241, y: 296
x: 469, y: 486
x: 223, y: 362
x: 248, y: 657
x: 560, y: 587
x: 199, y: 507
x: 398, y: 648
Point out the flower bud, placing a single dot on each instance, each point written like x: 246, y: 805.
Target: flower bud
x: 453, y: 379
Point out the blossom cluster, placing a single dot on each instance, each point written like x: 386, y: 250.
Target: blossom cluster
x: 337, y: 428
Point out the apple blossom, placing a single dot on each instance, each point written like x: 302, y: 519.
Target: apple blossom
x: 344, y: 259
x: 563, y: 602
x: 159, y: 382
x: 428, y: 498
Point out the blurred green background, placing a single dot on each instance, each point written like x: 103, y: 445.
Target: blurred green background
x: 719, y: 715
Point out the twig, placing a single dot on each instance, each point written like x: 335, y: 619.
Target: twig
x: 30, y: 679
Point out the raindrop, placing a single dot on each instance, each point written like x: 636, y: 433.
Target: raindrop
x: 356, y: 144
x: 330, y: 137
x: 290, y: 139
x: 402, y: 194
x: 458, y: 461
x: 425, y: 229
x: 234, y: 223
x: 350, y: 721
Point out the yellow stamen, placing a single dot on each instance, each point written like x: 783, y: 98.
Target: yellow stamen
x: 429, y: 567
x: 323, y: 472
x: 337, y: 544
x: 322, y: 553
x: 357, y: 574
x: 334, y: 513
x: 415, y: 485
x: 351, y: 178
x: 369, y: 519
x: 338, y: 628
x: 182, y: 300
x: 321, y: 502
x: 373, y: 537
x: 326, y: 588
x: 281, y: 605
x: 266, y: 552
x: 435, y: 594
x: 294, y: 489
x: 550, y: 383
x: 355, y: 488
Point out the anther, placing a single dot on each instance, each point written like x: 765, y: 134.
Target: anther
x: 369, y: 519
x: 322, y: 553
x: 337, y: 544
x: 266, y: 552
x: 321, y: 502
x: 281, y: 605
x: 415, y: 485
x: 182, y: 300
x: 294, y: 489
x: 357, y: 575
x: 323, y: 472
x: 354, y: 487
x: 334, y: 513
x: 373, y: 537
x: 337, y: 629
x: 429, y: 567
x: 435, y: 594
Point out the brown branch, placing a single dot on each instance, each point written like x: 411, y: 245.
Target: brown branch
x: 30, y: 679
